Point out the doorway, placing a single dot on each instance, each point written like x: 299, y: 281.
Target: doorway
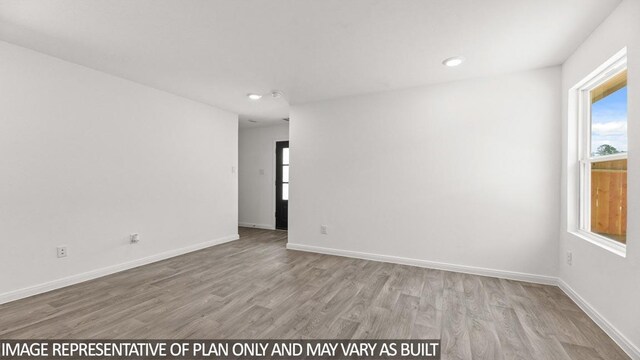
x: 282, y: 185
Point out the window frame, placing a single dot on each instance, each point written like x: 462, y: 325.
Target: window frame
x: 614, y: 66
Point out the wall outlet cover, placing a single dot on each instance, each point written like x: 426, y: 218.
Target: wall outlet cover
x: 62, y: 251
x: 134, y: 238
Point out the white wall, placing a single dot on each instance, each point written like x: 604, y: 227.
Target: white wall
x: 463, y: 173
x: 257, y: 190
x: 87, y: 158
x: 608, y: 282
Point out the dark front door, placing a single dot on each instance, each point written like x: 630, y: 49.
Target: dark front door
x: 282, y: 185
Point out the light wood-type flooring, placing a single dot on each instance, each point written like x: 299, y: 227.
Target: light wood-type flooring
x: 255, y: 288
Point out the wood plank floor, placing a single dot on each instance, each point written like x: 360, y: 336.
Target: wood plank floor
x: 255, y: 288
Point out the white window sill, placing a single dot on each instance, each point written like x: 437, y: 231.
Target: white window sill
x: 603, y: 242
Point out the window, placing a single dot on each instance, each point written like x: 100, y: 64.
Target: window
x: 602, y: 156
x: 285, y: 174
x: 282, y: 184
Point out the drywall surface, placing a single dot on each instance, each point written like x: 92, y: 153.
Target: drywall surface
x: 463, y: 173
x: 88, y: 158
x: 607, y: 282
x: 257, y: 176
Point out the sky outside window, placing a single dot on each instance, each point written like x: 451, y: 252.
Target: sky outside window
x: 609, y: 121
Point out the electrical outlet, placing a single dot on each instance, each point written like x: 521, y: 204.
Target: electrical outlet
x: 62, y: 251
x: 323, y: 229
x: 569, y: 258
x: 134, y: 238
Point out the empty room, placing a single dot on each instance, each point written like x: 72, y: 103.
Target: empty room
x: 320, y: 179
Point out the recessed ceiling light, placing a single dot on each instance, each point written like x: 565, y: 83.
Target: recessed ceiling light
x: 453, y: 61
x: 254, y: 96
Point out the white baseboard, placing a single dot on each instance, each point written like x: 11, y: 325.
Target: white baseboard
x: 512, y: 275
x: 93, y: 274
x: 631, y: 349
x: 257, y: 226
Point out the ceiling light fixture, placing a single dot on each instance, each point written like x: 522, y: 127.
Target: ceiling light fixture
x: 276, y: 94
x: 453, y: 61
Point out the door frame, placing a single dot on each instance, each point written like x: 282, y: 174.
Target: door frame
x: 273, y: 177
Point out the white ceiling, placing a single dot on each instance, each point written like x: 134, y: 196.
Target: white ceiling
x: 217, y: 51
